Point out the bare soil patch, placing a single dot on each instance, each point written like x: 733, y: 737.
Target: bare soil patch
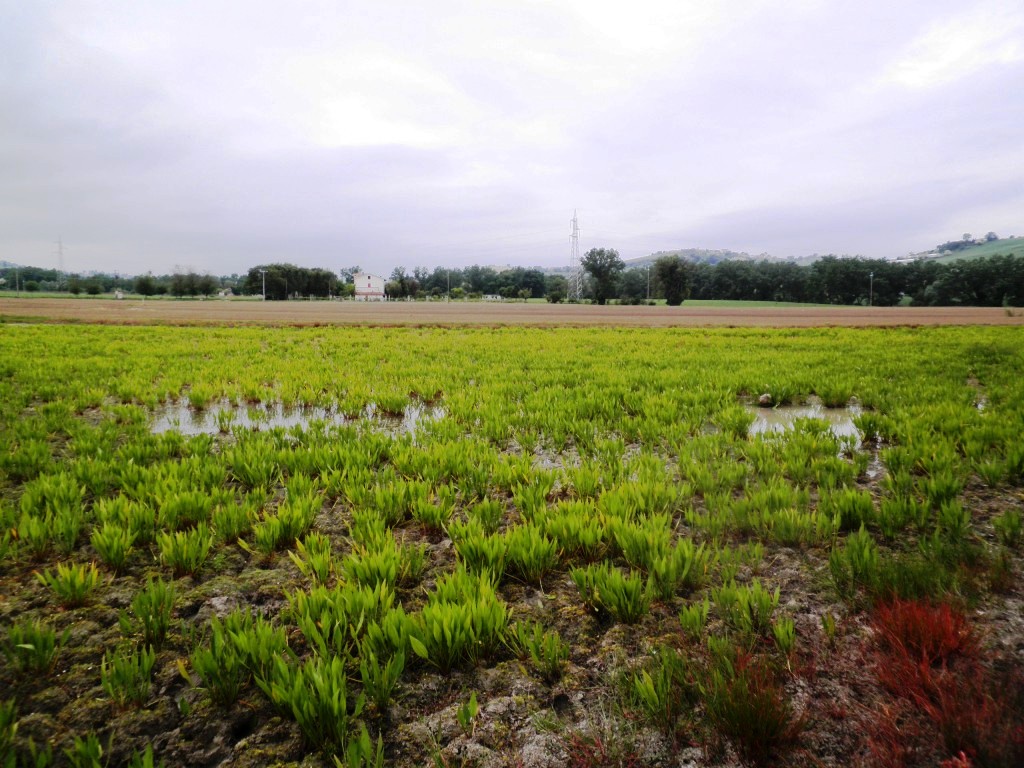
x: 302, y: 313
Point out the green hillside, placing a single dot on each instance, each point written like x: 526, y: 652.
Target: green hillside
x: 1008, y: 246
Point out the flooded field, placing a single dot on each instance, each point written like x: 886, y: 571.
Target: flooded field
x: 224, y: 417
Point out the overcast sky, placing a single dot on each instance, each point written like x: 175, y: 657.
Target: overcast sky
x: 151, y: 135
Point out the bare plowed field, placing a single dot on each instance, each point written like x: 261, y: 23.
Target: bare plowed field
x: 476, y: 313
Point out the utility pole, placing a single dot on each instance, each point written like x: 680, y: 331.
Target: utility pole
x: 871, y: 289
x: 648, y: 282
x: 264, y: 273
x: 575, y: 270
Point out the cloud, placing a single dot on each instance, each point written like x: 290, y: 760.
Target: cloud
x: 221, y: 135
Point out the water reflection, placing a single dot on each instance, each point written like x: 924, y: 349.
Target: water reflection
x: 223, y: 417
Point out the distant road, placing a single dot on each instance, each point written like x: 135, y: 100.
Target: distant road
x: 220, y: 312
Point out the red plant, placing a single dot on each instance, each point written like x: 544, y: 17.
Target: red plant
x: 924, y: 633
x: 930, y: 656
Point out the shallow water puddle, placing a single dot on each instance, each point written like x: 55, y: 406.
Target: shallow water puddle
x: 223, y: 417
x: 781, y: 418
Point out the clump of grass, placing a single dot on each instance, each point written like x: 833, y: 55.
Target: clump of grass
x: 746, y: 704
x: 150, y: 614
x: 126, y: 674
x: 73, y: 584
x: 603, y: 587
x: 545, y: 650
x: 32, y: 646
x: 113, y: 543
x: 665, y: 689
x: 185, y: 551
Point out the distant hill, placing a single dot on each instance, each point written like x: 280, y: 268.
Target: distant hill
x: 1007, y: 246
x: 713, y: 256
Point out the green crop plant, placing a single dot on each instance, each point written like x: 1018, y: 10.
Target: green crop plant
x: 895, y: 513
x: 8, y: 729
x: 86, y: 753
x: 232, y: 521
x: 479, y: 551
x: 361, y: 751
x: 253, y: 464
x: 380, y: 678
x: 746, y: 609
x: 546, y: 650
x: 462, y: 622
x: 954, y: 523
x: 184, y: 509
x: 645, y: 541
x: 530, y: 500
x: 313, y: 558
x: 855, y: 564
x: 73, y: 584
x: 150, y: 614
x: 332, y: 619
x: 694, y: 617
x: 185, y: 551
x: 577, y: 530
x: 432, y: 516
x: 1008, y: 526
x: 684, y: 566
x: 603, y: 587
x: 145, y: 759
x: 488, y: 513
x: 33, y: 535
x: 784, y: 632
x: 665, y: 690
x: 315, y: 694
x: 220, y: 666
x: 585, y: 480
x: 113, y: 544
x: 256, y: 640
x: 32, y: 646
x: 467, y: 714
x: 850, y: 508
x: 126, y: 674
x: 530, y: 554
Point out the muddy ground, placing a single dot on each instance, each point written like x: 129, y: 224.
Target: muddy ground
x: 192, y: 312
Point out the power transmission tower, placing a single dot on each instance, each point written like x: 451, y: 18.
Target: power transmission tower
x: 60, y: 263
x: 575, y: 270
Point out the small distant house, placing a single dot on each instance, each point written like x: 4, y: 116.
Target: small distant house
x: 368, y: 287
x: 492, y: 297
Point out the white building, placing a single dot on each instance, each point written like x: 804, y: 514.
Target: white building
x: 368, y: 287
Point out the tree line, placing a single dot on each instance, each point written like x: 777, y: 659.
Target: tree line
x: 987, y: 281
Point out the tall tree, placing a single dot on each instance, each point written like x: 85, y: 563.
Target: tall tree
x: 604, y: 266
x: 674, y: 275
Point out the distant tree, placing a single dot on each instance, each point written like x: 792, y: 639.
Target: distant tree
x: 348, y: 273
x: 145, y: 285
x: 74, y: 286
x: 674, y: 277
x: 633, y: 286
x: 991, y: 237
x: 31, y: 286
x: 967, y: 237
x: 93, y: 287
x: 604, y: 266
